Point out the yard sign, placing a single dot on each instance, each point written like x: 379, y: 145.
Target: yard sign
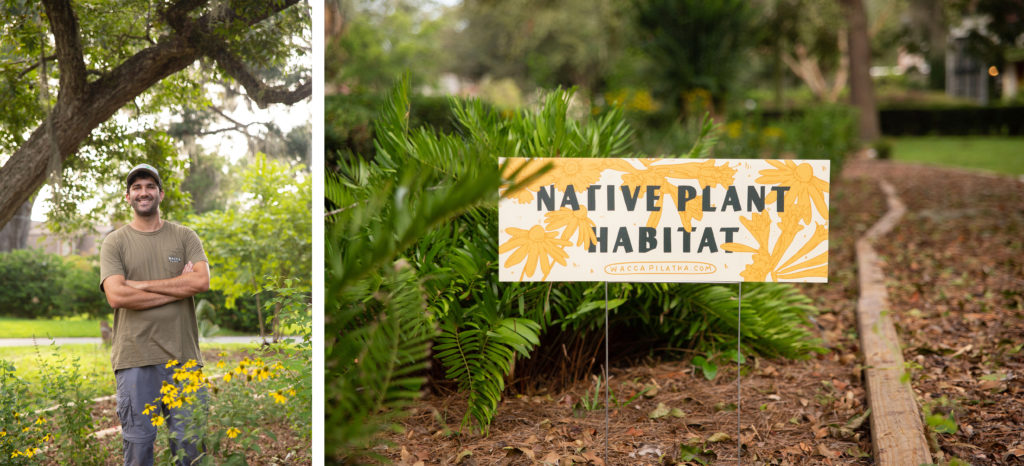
x: 667, y: 220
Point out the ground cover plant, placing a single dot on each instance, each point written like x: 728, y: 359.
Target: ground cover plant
x: 413, y: 227
x: 260, y: 397
x: 32, y: 362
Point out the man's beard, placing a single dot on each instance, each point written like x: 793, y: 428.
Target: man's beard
x: 154, y: 208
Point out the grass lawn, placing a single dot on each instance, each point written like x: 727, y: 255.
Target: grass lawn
x: 41, y: 328
x: 992, y: 153
x: 94, y: 362
x: 71, y: 327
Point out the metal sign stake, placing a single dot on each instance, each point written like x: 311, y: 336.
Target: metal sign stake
x: 739, y: 359
x: 607, y: 383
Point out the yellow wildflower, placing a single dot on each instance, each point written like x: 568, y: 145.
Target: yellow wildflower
x: 157, y: 421
x: 233, y: 432
x: 220, y: 364
x: 278, y: 398
x: 172, y: 363
x: 190, y: 364
x: 227, y: 377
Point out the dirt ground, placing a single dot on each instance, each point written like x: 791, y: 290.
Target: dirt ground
x: 956, y: 284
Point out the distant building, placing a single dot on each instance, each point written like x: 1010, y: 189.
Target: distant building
x: 85, y: 243
x: 968, y: 77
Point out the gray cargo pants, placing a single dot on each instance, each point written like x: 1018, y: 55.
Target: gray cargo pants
x: 138, y: 386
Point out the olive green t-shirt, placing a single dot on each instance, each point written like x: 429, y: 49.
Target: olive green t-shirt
x: 158, y: 334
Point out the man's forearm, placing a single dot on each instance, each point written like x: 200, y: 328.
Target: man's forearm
x: 194, y: 280
x: 119, y: 295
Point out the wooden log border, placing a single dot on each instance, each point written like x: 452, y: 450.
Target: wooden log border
x: 897, y: 433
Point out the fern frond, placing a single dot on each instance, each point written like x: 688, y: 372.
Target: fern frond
x: 478, y: 355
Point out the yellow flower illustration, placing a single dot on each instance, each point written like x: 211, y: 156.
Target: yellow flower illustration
x: 233, y: 432
x: 572, y: 221
x: 580, y: 173
x: 534, y: 246
x: 759, y: 225
x: 805, y: 188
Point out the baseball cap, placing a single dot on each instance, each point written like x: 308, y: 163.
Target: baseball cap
x: 144, y: 168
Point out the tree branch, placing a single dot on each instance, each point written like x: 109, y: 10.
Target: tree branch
x: 257, y: 90
x: 34, y: 66
x: 64, y: 27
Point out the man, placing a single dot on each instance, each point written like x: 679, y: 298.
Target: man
x: 149, y: 271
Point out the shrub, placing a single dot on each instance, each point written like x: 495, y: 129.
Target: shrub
x: 413, y: 248
x: 32, y: 283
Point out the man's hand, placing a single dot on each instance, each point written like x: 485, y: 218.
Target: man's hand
x: 194, y: 279
x: 121, y: 295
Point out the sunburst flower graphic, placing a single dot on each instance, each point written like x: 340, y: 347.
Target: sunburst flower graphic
x: 535, y: 246
x: 572, y: 221
x: 805, y: 188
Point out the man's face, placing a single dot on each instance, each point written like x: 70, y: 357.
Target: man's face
x: 144, y: 195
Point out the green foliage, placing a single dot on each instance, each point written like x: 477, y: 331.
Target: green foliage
x: 61, y: 425
x: 480, y: 354
x: 380, y: 42
x: 541, y: 43
x: 696, y: 44
x: 272, y: 49
x: 263, y: 238
x: 39, y: 284
x: 428, y: 199
x: 377, y: 329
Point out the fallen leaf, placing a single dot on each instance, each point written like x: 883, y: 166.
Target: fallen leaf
x: 824, y: 451
x: 719, y: 437
x: 650, y: 390
x: 463, y: 455
x: 660, y: 411
x: 550, y: 458
x: 520, y: 451
x: 633, y: 431
x: 593, y: 458
x: 821, y: 432
x: 649, y: 450
x: 407, y: 458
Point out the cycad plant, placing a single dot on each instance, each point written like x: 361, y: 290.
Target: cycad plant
x: 412, y: 259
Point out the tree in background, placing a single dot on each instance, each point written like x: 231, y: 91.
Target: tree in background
x: 541, y: 43
x: 150, y: 57
x: 263, y: 238
x: 697, y: 44
x: 862, y: 91
x: 379, y: 40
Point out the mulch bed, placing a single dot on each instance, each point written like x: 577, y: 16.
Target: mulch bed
x: 955, y: 266
x: 955, y: 269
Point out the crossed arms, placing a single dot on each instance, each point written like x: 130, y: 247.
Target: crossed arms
x: 141, y: 295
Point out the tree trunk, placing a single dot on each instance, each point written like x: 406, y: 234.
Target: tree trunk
x: 14, y: 235
x: 862, y: 91
x: 83, y: 105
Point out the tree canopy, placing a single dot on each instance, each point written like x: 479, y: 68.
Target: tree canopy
x: 66, y: 70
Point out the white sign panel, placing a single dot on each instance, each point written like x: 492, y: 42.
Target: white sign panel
x: 666, y: 220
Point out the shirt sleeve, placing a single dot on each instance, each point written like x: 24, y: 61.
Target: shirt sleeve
x: 194, y: 251
x: 110, y: 258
